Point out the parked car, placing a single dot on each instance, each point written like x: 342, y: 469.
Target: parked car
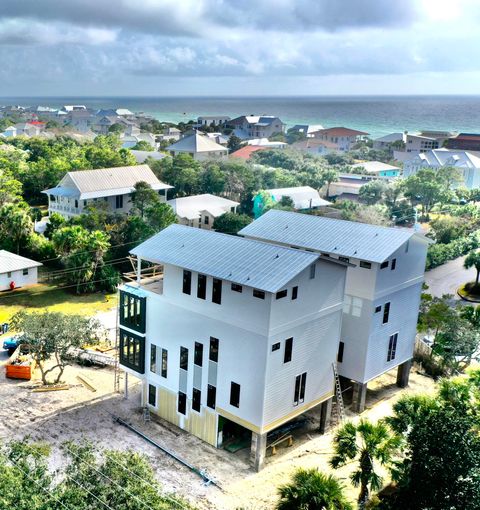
x: 10, y: 344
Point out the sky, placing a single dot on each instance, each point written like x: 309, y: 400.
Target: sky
x: 238, y: 47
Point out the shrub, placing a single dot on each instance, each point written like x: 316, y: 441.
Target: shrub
x: 438, y: 254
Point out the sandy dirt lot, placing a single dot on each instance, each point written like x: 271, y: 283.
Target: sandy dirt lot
x: 57, y: 416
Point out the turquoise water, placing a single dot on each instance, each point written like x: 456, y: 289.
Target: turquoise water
x: 376, y: 115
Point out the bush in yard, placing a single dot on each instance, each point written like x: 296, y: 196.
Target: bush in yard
x: 438, y: 254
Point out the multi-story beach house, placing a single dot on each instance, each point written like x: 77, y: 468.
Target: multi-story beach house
x: 111, y: 186
x: 235, y: 337
x: 382, y: 292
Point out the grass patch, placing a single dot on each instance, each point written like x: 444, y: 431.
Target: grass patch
x: 49, y: 297
x: 470, y: 292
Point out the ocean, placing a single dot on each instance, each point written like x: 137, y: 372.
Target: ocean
x: 377, y: 115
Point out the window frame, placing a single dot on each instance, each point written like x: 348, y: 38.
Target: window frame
x: 150, y: 386
x: 133, y: 311
x: 212, y: 351
x: 198, y: 354
x: 201, y: 286
x: 187, y: 282
x: 294, y: 293
x: 288, y: 350
x: 365, y: 265
x: 392, y: 347
x: 164, y: 364
x: 386, y: 313
x: 182, y: 403
x: 196, y: 400
x: 211, y: 396
x: 259, y: 294
x: 384, y: 264
x: 217, y: 291
x: 129, y: 355
x: 341, y: 352
x: 153, y: 358
x: 236, y: 287
x: 281, y: 294
x: 235, y: 392
x: 393, y: 265
x: 183, y: 358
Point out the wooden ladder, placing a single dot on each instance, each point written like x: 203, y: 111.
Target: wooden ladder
x: 340, y: 409
x: 146, y: 414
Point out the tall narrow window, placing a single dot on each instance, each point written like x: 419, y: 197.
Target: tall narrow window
x: 187, y: 282
x: 196, y: 399
x: 235, y: 394
x: 184, y: 358
x: 152, y: 395
x: 213, y: 355
x: 211, y: 396
x: 312, y: 271
x: 386, y: 312
x: 119, y: 201
x: 182, y: 403
x: 164, y: 362
x: 287, y: 355
x: 217, y: 291
x: 299, y: 392
x: 392, y: 347
x: 202, y: 286
x: 153, y: 358
x: 294, y: 293
x: 341, y: 348
x: 198, y: 354
x: 394, y: 264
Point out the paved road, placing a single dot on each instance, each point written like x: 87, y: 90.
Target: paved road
x: 447, y: 278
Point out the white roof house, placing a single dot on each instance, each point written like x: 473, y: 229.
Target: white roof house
x: 466, y: 161
x: 265, y: 142
x: 201, y: 210
x: 379, y: 168
x: 304, y: 197
x: 76, y: 189
x: 141, y: 156
x: 123, y: 112
x: 199, y: 146
x: 16, y: 271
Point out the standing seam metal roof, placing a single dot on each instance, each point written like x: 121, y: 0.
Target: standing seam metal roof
x: 255, y: 264
x: 344, y: 238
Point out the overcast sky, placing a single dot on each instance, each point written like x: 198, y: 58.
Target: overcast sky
x: 239, y: 47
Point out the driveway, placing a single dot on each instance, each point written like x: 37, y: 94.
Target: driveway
x: 446, y: 279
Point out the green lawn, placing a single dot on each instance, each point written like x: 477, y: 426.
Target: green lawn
x: 48, y: 297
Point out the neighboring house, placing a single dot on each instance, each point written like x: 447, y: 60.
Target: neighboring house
x: 70, y: 107
x: 124, y: 112
x: 256, y: 126
x: 212, y: 120
x: 246, y: 152
x: 467, y: 162
x: 306, y: 129
x: 303, y: 197
x: 315, y: 146
x: 347, y: 186
x: 29, y: 129
x: 385, y: 142
x: 219, y: 138
x: 378, y: 168
x: 16, y: 271
x: 129, y: 141
x: 82, y: 120
x: 235, y: 338
x: 199, y: 146
x: 464, y: 141
x: 422, y: 142
x: 342, y: 138
x: 382, y: 292
x: 201, y: 210
x: 113, y: 186
x: 141, y: 156
x: 10, y: 131
x: 265, y: 142
x: 171, y: 133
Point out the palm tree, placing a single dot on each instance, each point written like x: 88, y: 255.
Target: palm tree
x: 473, y: 260
x: 312, y: 490
x: 366, y: 443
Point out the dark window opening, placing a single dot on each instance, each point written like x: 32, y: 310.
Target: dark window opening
x: 236, y: 287
x: 287, y: 355
x: 365, y: 265
x: 132, y: 351
x: 211, y: 396
x: 281, y: 294
x: 187, y: 282
x: 294, y: 293
x: 276, y: 347
x: 184, y: 358
x: 300, y: 383
x: 386, y: 312
x: 196, y: 399
x: 217, y: 291
x: 341, y: 348
x: 325, y: 254
x: 206, y: 220
x: 198, y: 354
x: 258, y: 294
x: 394, y: 264
x: 182, y: 403
x: 312, y: 271
x: 235, y: 394
x: 152, y: 395
x: 344, y: 259
x: 25, y: 272
x: 202, y: 286
x: 119, y: 201
x: 213, y: 355
x: 383, y: 265
x: 378, y: 309
x: 153, y: 358
x: 164, y: 362
x: 392, y: 347
x: 132, y: 311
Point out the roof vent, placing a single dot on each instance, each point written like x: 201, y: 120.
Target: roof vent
x: 277, y: 255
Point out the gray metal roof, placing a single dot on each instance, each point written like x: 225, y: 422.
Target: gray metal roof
x: 10, y: 262
x: 253, y: 263
x: 344, y: 238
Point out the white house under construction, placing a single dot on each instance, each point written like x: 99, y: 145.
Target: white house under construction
x: 235, y: 334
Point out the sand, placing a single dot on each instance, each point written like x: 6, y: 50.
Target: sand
x: 57, y: 416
